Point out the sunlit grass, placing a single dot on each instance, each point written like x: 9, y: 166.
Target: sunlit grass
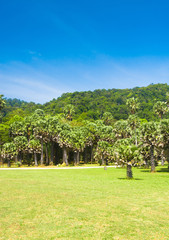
x: 84, y: 204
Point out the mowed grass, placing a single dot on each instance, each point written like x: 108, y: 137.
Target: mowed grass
x: 83, y: 204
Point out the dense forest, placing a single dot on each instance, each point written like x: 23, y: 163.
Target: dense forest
x: 121, y: 126
x: 92, y: 104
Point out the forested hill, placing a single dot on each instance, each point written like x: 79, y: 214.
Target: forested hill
x: 92, y: 104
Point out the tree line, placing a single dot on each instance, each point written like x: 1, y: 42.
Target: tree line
x: 91, y: 105
x: 40, y: 138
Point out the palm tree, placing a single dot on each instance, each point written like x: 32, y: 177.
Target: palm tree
x: 126, y: 153
x: 2, y: 102
x: 134, y: 123
x: 133, y: 105
x: 40, y: 130
x: 149, y: 136
x: 9, y: 151
x: 107, y: 118
x: 97, y: 131
x: 103, y: 152
x: 164, y: 137
x: 34, y: 147
x: 54, y: 129
x: 17, y: 128
x: 160, y: 108
x: 21, y: 144
x: 78, y: 141
x: 64, y: 140
x: 121, y: 129
x: 69, y: 110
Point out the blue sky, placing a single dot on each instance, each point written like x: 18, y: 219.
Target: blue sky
x: 48, y: 47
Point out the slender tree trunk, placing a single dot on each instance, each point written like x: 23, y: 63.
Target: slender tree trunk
x: 35, y: 159
x: 129, y: 172
x: 78, y: 158
x: 20, y: 157
x: 75, y: 158
x: 29, y: 159
x: 103, y: 159
x: 57, y: 153
x: 52, y: 153
x: 162, y: 158
x: 146, y: 164
x: 135, y: 137
x: 85, y: 156
x: 41, y: 160
x: 91, y: 158
x: 9, y: 162
x: 1, y: 161
x: 65, y: 156
x: 152, y: 158
x: 47, y: 157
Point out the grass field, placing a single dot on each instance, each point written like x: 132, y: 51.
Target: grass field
x: 84, y: 204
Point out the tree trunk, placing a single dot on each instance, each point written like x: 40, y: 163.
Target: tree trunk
x: 103, y: 159
x: 162, y: 158
x: 85, y: 156
x: 9, y: 162
x: 91, y: 158
x: 168, y: 159
x: 41, y: 159
x: 57, y: 154
x: 146, y: 164
x: 135, y: 137
x: 20, y: 157
x: 129, y: 172
x: 75, y: 158
x: 152, y: 158
x: 65, y: 156
x: 78, y: 158
x: 52, y: 153
x: 35, y: 159
x: 29, y: 159
x: 47, y: 157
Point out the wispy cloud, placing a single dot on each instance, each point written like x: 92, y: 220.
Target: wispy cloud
x: 25, y: 82
x: 42, y: 81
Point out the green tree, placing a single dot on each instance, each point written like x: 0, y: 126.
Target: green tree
x: 108, y: 118
x: 164, y: 138
x: 40, y: 129
x: 103, y: 152
x: 160, y: 108
x: 134, y: 123
x: 121, y: 129
x: 69, y: 110
x: 149, y: 136
x: 2, y: 102
x: 9, y: 151
x: 126, y: 153
x: 133, y: 105
x: 21, y: 146
x: 34, y: 147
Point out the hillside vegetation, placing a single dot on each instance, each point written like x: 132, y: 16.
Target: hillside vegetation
x: 92, y: 104
x: 125, y: 127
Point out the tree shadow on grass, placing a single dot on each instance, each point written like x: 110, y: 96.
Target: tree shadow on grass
x: 163, y: 170
x: 158, y: 170
x: 145, y: 170
x: 132, y: 179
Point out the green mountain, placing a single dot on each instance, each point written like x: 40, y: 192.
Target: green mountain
x: 92, y: 104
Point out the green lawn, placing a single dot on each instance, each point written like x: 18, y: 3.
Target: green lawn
x: 84, y: 204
